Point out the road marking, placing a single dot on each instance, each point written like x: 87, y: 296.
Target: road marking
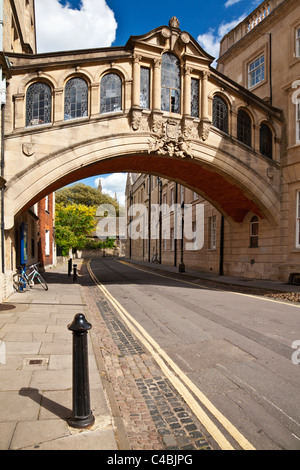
x: 205, y: 287
x: 179, y: 380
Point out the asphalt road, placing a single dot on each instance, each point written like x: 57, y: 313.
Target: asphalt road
x: 235, y: 349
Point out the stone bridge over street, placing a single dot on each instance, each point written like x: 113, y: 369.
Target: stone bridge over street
x: 154, y: 106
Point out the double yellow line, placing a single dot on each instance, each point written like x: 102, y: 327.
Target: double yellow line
x: 178, y: 379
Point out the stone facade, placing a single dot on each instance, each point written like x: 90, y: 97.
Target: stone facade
x: 272, y: 31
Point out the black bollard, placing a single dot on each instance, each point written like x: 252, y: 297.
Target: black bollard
x: 75, y: 273
x: 69, y: 267
x: 82, y: 414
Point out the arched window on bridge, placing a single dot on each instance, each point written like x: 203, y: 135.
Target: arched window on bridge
x: 244, y: 127
x: 195, y: 97
x: 76, y: 98
x: 38, y: 104
x: 266, y: 141
x: 170, y: 83
x: 220, y: 114
x: 254, y: 232
x: 111, y: 94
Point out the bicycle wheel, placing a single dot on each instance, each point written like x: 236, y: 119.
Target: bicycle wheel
x: 19, y: 282
x: 42, y: 281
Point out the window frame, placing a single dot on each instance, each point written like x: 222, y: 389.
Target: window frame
x: 195, y: 97
x: 241, y: 131
x: 297, y: 121
x: 30, y: 122
x: 297, y: 244
x: 255, y: 69
x: 71, y: 117
x: 142, y: 93
x: 173, y: 93
x: 254, y: 234
x: 117, y: 110
x: 297, y: 42
x: 217, y: 99
x: 212, y: 235
x: 268, y: 143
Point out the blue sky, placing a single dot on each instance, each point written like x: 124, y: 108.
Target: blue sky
x: 84, y: 24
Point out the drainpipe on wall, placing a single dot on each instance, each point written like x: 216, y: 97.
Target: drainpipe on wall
x: 221, y: 267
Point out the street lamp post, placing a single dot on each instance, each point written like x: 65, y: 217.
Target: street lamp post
x: 181, y: 265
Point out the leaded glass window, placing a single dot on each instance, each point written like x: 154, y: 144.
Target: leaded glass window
x: 170, y: 83
x: 220, y: 114
x: 111, y: 94
x: 244, y: 128
x: 38, y: 104
x: 265, y: 140
x: 76, y: 98
x: 145, y: 88
x: 195, y: 97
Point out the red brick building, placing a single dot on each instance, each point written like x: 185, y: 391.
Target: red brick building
x: 46, y: 242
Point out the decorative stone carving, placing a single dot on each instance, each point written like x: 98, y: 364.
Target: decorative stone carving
x: 136, y: 119
x: 157, y: 124
x: 185, y: 38
x: 174, y: 22
x: 168, y: 139
x: 28, y: 149
x: 205, y: 129
x: 166, y: 33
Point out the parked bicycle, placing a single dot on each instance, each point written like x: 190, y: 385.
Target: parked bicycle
x: 23, y: 281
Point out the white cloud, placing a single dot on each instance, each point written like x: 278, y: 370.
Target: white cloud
x: 61, y: 28
x: 210, y: 41
x: 229, y: 3
x: 113, y: 184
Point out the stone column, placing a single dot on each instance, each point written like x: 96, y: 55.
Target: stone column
x: 19, y: 111
x: 204, y: 95
x: 157, y: 85
x: 58, y: 105
x: 95, y: 100
x: 205, y: 122
x: 187, y: 91
x: 136, y: 78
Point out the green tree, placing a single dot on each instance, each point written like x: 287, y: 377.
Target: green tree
x: 81, y: 193
x: 73, y: 224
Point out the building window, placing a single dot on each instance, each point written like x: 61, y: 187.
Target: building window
x: 111, y: 94
x: 298, y: 122
x: 265, y: 141
x: 244, y: 128
x: 298, y: 42
x: 195, y: 97
x: 47, y: 243
x: 220, y: 114
x: 145, y: 88
x: 212, y: 224
x: 254, y: 232
x: 256, y: 71
x: 170, y: 83
x: 38, y: 104
x: 76, y: 98
x: 47, y: 203
x: 298, y: 221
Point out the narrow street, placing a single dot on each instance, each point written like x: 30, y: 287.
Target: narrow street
x: 209, y: 367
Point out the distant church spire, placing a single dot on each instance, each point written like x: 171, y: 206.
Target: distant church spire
x: 100, y: 187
